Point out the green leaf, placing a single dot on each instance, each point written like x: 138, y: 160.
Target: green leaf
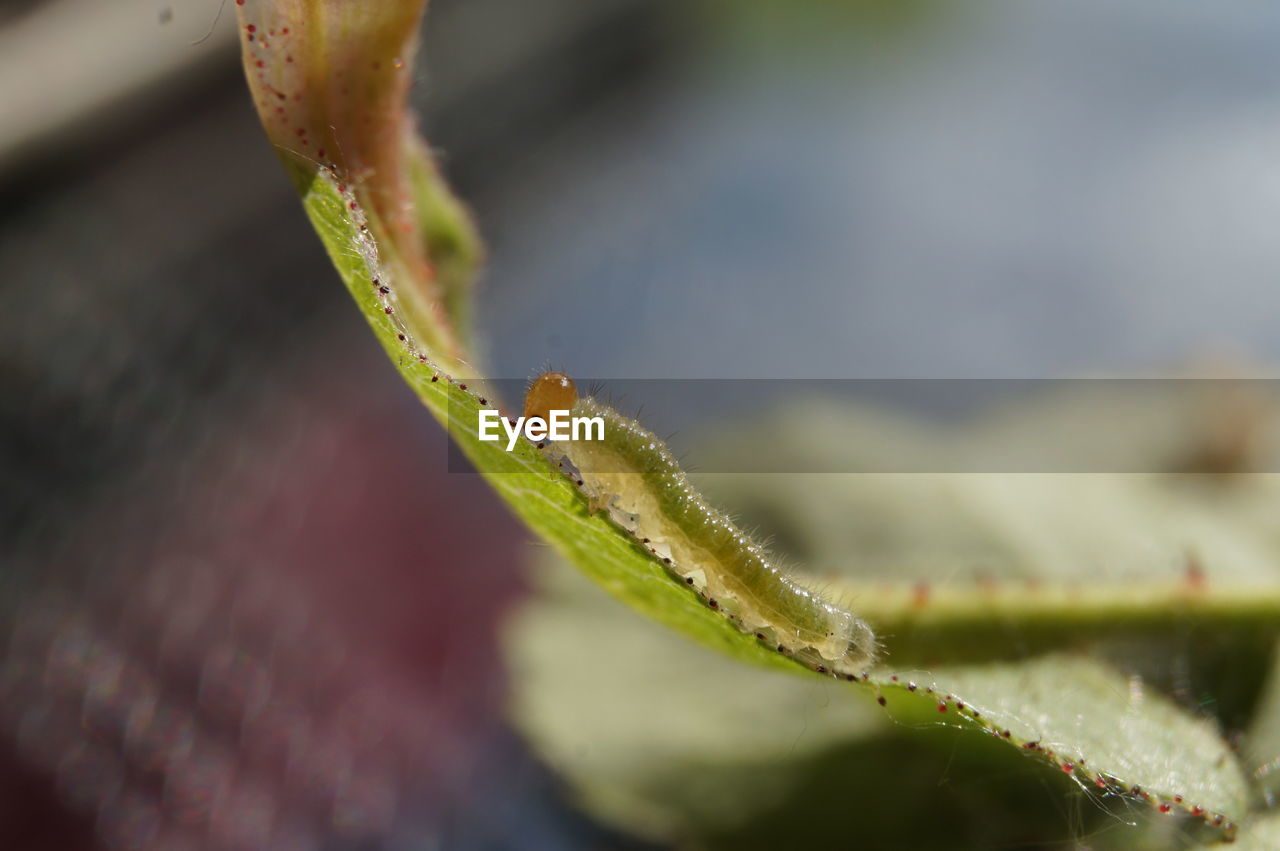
x: 1205, y: 775
x: 639, y: 720
x: 674, y: 743
x: 1101, y: 727
x: 330, y: 80
x: 534, y: 488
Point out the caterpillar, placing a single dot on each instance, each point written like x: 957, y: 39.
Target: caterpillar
x: 634, y: 478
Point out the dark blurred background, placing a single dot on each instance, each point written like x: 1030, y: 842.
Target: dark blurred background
x: 242, y: 604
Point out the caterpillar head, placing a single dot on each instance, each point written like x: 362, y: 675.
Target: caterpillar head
x: 551, y: 391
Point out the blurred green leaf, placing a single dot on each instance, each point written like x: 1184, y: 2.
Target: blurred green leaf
x: 674, y: 743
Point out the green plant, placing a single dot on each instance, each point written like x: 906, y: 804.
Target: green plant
x: 330, y: 79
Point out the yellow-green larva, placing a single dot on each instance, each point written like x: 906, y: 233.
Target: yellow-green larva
x: 634, y: 477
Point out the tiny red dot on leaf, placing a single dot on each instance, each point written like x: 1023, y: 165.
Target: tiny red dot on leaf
x: 880, y: 700
x: 942, y: 707
x: 1067, y: 768
x: 1165, y: 808
x: 251, y: 28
